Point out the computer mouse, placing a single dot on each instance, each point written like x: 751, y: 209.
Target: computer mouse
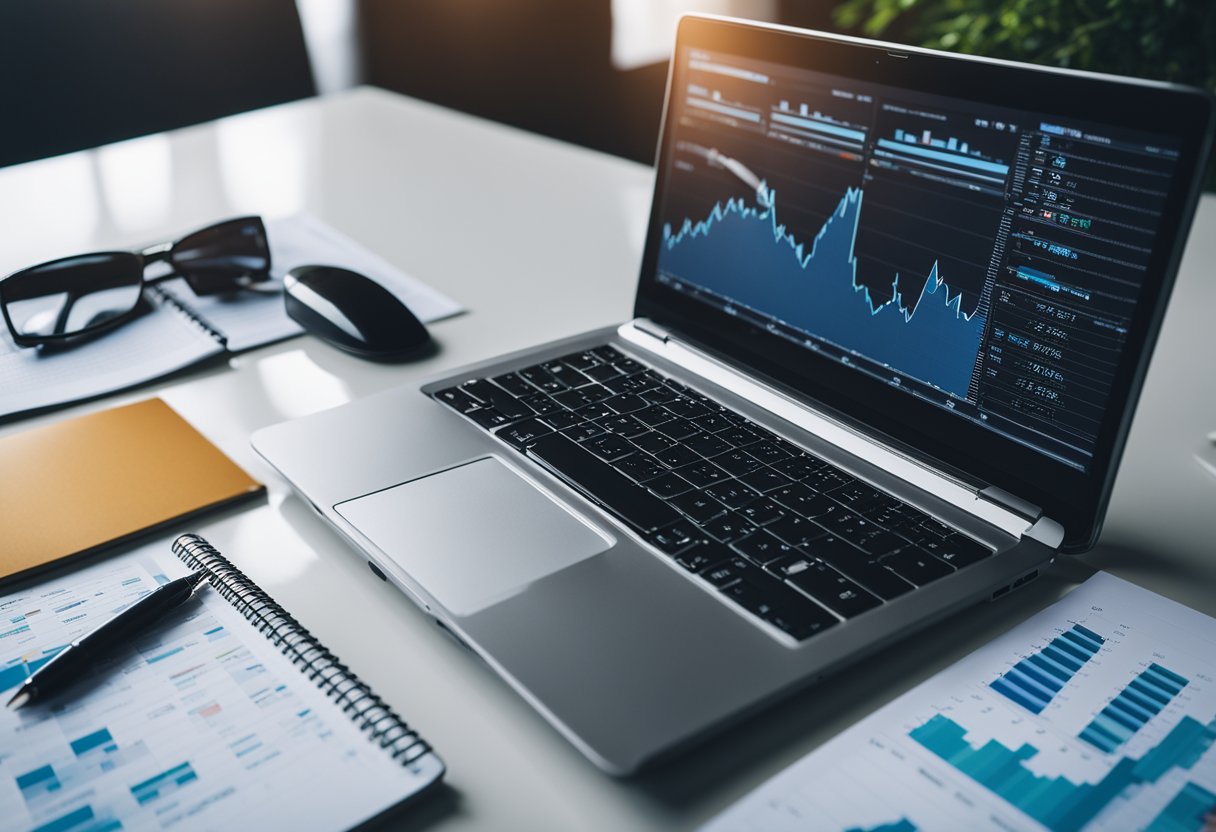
x: 353, y: 313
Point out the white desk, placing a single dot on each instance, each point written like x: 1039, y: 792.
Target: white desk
x: 539, y: 239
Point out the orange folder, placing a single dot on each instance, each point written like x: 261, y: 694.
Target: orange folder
x: 83, y: 484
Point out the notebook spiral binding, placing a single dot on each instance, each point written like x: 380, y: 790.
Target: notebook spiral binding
x: 166, y: 298
x: 335, y: 679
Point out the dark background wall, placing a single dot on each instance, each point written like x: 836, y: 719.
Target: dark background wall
x: 543, y: 65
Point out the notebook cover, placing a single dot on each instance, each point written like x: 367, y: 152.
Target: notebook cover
x: 86, y: 483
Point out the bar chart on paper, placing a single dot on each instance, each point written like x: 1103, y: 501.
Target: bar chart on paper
x: 1099, y: 713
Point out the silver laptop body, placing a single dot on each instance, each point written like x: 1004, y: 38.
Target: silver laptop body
x: 628, y: 651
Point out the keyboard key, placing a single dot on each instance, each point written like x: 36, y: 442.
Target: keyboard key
x: 626, y: 403
x: 653, y: 442
x: 956, y: 550
x: 697, y: 505
x: 591, y: 412
x: 800, y: 499
x: 765, y: 480
x: 566, y: 374
x: 856, y: 564
x: 799, y: 467
x: 639, y: 467
x: 893, y: 515
x: 561, y: 419
x: 677, y: 428
x: 637, y: 383
x: 523, y: 433
x: 610, y: 488
x: 768, y: 452
x: 653, y: 415
x: 936, y: 527
x: 761, y: 547
x: 687, y: 408
x: 607, y: 354
x: 825, y: 479
x: 609, y: 448
x: 856, y: 494
x: 732, y: 493
x: 676, y: 456
x: 494, y: 396
x: 456, y: 398
x: 541, y: 378
x: 628, y: 365
x: 675, y: 538
x: 574, y: 399
x: 488, y: 418
x: 827, y: 586
x: 701, y: 556
x: 668, y: 485
x: 781, y: 606
x: 706, y: 444
x: 739, y: 437
x: 514, y: 384
x: 728, y: 527
x: 581, y: 360
x: 625, y: 426
x: 761, y: 511
x: 541, y: 404
x: 713, y: 422
x: 583, y: 432
x: 737, y: 462
x: 916, y: 565
x: 660, y: 395
x: 702, y: 473
x: 794, y: 530
x: 727, y: 572
x: 602, y: 373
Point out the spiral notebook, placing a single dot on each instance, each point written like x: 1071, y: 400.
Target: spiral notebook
x: 228, y: 715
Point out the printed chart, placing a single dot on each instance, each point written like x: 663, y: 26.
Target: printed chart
x: 1098, y: 714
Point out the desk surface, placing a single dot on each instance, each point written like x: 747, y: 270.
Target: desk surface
x: 508, y: 223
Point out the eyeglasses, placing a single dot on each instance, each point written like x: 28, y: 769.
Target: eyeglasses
x: 88, y: 294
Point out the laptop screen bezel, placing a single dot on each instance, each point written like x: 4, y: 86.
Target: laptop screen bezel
x: 1075, y: 498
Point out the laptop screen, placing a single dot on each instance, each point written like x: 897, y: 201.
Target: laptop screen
x: 985, y: 260
x: 928, y: 243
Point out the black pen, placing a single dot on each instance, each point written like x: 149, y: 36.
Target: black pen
x: 79, y: 657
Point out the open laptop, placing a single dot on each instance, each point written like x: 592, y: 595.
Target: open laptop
x: 894, y: 312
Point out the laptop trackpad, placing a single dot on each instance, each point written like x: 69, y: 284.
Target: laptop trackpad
x: 472, y: 535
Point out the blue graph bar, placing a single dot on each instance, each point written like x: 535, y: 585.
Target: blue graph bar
x: 820, y: 126
x: 1035, y: 680
x: 944, y: 156
x: 80, y: 820
x: 1186, y: 812
x: 163, y: 783
x: 1057, y: 802
x: 34, y: 784
x: 98, y: 740
x: 901, y: 825
x: 1136, y: 704
x: 746, y: 115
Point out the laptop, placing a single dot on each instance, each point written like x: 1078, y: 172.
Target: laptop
x: 894, y: 312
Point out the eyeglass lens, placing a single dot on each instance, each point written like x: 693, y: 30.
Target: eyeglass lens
x: 219, y: 258
x: 72, y: 296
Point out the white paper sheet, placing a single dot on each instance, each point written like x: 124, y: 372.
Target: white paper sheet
x: 203, y: 724
x: 1099, y: 713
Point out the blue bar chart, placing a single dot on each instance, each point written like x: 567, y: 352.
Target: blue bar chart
x: 1034, y: 681
x: 1136, y: 704
x: 1187, y: 812
x: 1059, y: 803
x: 1129, y: 745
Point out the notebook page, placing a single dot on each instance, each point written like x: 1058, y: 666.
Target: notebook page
x: 1096, y: 714
x: 151, y: 346
x: 203, y: 723
x: 249, y: 319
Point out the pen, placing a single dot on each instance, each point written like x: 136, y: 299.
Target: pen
x: 82, y: 654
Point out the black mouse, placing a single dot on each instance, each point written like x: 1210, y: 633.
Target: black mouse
x: 353, y: 313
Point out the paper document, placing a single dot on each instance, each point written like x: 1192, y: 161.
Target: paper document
x: 1099, y: 713
x: 203, y: 724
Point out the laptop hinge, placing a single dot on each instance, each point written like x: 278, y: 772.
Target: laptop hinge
x: 650, y: 328
x: 1043, y: 529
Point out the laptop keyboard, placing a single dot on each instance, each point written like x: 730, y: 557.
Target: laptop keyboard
x: 789, y: 537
